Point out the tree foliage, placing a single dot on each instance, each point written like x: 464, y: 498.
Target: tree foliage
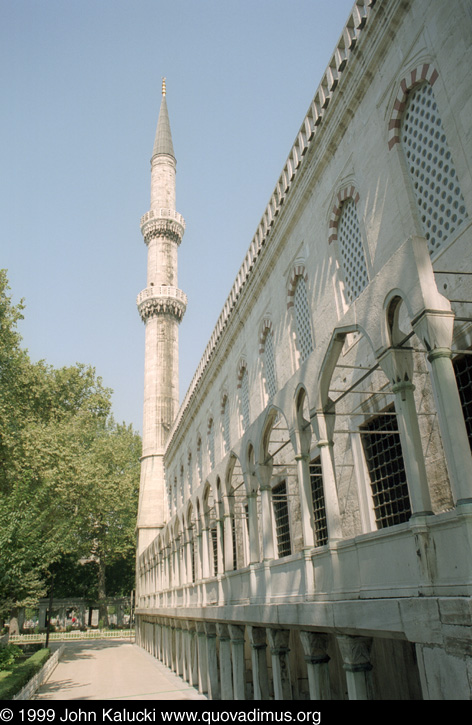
x: 68, y: 473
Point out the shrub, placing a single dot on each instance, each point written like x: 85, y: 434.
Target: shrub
x: 22, y: 674
x: 8, y: 655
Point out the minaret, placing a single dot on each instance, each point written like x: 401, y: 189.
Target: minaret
x: 161, y: 306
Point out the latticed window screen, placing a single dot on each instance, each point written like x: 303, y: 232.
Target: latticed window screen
x: 302, y: 320
x: 319, y: 509
x: 226, y: 435
x: 211, y: 444
x: 269, y: 365
x: 199, y: 460
x: 352, y: 251
x: 463, y: 371
x: 245, y: 399
x: 384, y: 459
x: 282, y: 524
x: 190, y: 473
x: 431, y: 167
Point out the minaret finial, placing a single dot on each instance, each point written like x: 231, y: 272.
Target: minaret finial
x: 163, y: 86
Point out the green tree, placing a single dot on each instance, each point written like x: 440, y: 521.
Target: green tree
x: 62, y: 461
x: 110, y: 488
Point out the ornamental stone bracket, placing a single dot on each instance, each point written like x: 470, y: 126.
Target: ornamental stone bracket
x: 162, y: 223
x: 162, y: 300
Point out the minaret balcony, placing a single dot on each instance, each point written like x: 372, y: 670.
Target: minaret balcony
x: 162, y: 300
x: 162, y: 223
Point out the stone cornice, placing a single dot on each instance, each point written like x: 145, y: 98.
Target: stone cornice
x: 162, y: 223
x: 351, y: 38
x: 163, y: 300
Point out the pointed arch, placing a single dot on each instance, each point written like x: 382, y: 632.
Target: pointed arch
x: 347, y: 192
x: 423, y: 73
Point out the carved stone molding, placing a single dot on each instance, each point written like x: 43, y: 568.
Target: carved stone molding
x: 355, y: 652
x: 162, y: 301
x: 162, y: 228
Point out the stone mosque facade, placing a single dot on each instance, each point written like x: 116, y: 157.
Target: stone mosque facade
x: 305, y: 515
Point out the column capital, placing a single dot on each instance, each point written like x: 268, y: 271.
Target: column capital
x: 325, y: 444
x: 317, y: 660
x: 439, y: 352
x: 223, y: 632
x: 355, y: 652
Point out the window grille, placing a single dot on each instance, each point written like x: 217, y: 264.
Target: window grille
x: 431, y: 166
x: 211, y: 444
x: 319, y: 509
x: 269, y: 365
x: 245, y: 400
x: 384, y: 459
x: 282, y: 525
x: 302, y: 320
x: 214, y: 541
x: 463, y: 371
x: 352, y: 251
x: 226, y: 436
x: 235, y: 545
x: 194, y: 563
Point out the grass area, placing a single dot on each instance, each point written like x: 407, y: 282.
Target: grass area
x: 20, y: 673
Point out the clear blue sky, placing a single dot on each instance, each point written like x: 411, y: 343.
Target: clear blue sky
x: 80, y: 91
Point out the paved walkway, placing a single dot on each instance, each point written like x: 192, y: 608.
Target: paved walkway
x: 104, y: 670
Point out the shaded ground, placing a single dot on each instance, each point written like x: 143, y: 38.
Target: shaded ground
x: 104, y: 670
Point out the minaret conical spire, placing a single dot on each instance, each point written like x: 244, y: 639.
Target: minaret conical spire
x: 163, y: 141
x: 161, y: 306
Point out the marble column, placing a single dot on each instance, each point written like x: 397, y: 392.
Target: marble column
x: 202, y: 658
x: 355, y: 652
x: 398, y: 365
x: 228, y: 542
x: 172, y: 647
x: 260, y: 675
x: 316, y: 658
x: 192, y: 654
x: 214, y: 692
x: 253, y: 525
x: 237, y: 657
x: 323, y: 427
x: 435, y: 329
x: 158, y: 634
x: 178, y: 648
x: 186, y: 665
x: 279, y: 650
x: 226, y: 669
x: 264, y: 476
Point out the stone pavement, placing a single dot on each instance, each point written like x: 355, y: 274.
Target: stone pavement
x: 104, y: 670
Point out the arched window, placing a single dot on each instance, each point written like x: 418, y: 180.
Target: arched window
x: 244, y: 398
x: 302, y: 319
x: 182, y: 486
x: 318, y: 500
x: 211, y: 444
x: 431, y: 167
x: 282, y: 520
x: 190, y: 472
x: 225, y: 424
x: 199, y: 460
x: 351, y: 251
x: 268, y: 359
